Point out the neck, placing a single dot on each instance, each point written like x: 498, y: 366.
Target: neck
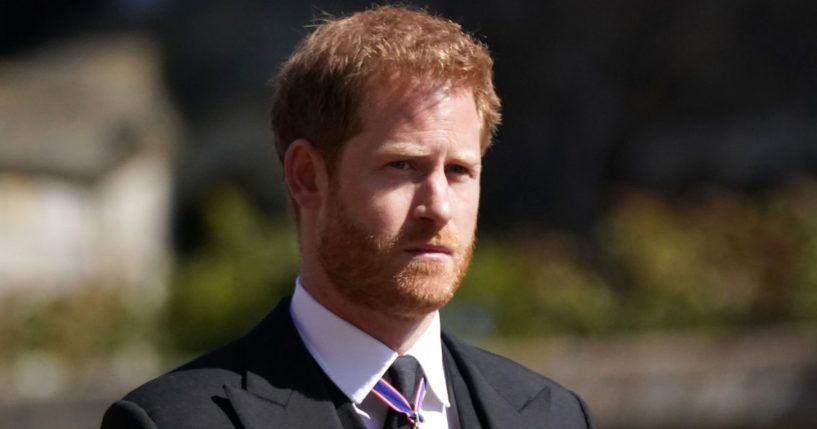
x: 397, y: 333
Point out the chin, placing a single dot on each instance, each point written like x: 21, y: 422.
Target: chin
x: 418, y: 294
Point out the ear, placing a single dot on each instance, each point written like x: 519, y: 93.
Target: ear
x: 305, y: 174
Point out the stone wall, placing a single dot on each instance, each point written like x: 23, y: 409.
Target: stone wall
x: 757, y: 379
x: 87, y: 133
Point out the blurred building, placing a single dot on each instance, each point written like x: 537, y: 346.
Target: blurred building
x: 86, y: 140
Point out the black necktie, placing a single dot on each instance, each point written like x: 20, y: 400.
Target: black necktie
x: 404, y: 375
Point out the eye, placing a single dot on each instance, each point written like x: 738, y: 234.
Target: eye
x: 458, y: 170
x: 400, y: 165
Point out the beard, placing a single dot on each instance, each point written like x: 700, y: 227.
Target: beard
x: 375, y: 272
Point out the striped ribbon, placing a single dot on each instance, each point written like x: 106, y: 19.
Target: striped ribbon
x: 397, y: 402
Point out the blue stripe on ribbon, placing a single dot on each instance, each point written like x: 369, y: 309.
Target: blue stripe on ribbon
x: 396, y: 401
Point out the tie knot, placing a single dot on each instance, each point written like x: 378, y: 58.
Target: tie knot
x: 406, y: 378
x: 404, y: 375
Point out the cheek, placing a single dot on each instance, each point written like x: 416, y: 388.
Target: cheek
x: 467, y: 210
x: 383, y: 211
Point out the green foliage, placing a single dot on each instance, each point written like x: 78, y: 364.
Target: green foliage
x: 721, y: 259
x: 796, y: 212
x: 685, y: 266
x: 221, y: 290
x: 89, y: 323
x: 533, y: 287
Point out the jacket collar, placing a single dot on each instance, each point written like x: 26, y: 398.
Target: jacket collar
x: 283, y: 385
x: 499, y: 402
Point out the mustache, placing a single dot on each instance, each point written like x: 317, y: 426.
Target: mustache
x: 430, y: 236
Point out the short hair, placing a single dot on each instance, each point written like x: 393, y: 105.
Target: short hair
x: 320, y: 89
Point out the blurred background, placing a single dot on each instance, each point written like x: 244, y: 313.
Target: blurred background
x: 648, y: 234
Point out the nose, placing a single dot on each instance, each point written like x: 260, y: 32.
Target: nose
x: 432, y: 199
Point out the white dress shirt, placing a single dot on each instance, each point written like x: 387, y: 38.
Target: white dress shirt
x: 355, y: 361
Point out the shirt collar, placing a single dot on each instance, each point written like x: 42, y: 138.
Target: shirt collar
x: 354, y: 360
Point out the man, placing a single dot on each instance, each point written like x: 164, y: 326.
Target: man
x: 381, y: 120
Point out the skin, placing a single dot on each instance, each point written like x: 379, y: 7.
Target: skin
x: 404, y: 196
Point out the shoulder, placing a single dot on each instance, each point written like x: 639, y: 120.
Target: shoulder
x: 521, y: 386
x: 198, y: 379
x: 183, y: 397
x: 499, y: 370
x: 193, y: 395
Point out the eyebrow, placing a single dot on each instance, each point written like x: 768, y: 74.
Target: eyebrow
x: 414, y: 150
x: 401, y: 148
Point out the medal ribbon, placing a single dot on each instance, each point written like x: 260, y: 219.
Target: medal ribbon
x: 397, y: 402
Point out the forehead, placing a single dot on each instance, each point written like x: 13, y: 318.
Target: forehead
x: 403, y: 92
x: 411, y: 105
x: 415, y: 123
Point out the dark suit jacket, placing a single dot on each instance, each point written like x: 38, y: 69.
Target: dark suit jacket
x: 268, y: 379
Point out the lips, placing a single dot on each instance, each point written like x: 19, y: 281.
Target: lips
x: 429, y: 242
x: 431, y: 249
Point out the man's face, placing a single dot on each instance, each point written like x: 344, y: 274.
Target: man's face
x: 398, y: 226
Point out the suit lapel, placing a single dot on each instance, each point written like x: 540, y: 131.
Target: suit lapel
x: 458, y: 393
x: 498, y: 405
x: 283, y: 385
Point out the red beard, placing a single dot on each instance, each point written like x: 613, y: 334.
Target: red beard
x: 376, y: 272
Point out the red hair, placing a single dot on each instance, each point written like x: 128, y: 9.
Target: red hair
x: 321, y: 87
